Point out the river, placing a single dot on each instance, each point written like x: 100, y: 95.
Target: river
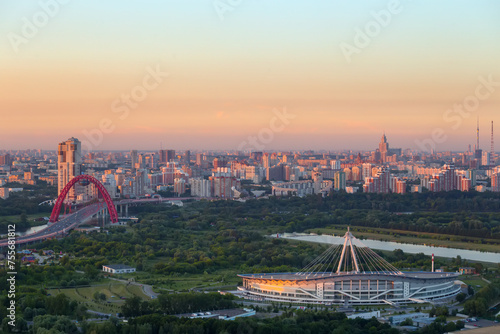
x: 407, y: 248
x: 32, y: 230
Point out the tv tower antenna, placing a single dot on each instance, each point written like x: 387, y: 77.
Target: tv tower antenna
x: 492, y: 141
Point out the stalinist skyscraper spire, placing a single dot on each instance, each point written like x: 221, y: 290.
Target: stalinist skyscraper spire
x: 383, y: 147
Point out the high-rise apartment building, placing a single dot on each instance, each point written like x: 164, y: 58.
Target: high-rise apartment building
x: 199, y: 159
x: 169, y: 173
x: 335, y: 164
x: 448, y: 179
x: 167, y: 155
x: 69, y: 164
x: 4, y: 193
x: 266, y: 160
x: 356, y: 173
x: 276, y: 173
x: 170, y: 155
x: 201, y: 187
x: 133, y: 159
x: 179, y: 186
x: 400, y: 187
x: 339, y: 181
x: 379, y: 183
x: 222, y: 183
x: 5, y: 160
x: 485, y: 158
x: 366, y: 170
x: 495, y: 179
x: 472, y: 175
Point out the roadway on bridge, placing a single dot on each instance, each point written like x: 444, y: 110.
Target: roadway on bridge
x: 71, y: 221
x: 60, y: 227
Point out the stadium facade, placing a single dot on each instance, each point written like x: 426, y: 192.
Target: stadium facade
x: 350, y: 274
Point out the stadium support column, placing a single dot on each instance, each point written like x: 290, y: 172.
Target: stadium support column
x: 353, y: 254
x: 342, y: 256
x: 348, y: 241
x: 319, y: 290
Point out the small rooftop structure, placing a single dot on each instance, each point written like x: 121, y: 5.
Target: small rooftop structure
x: 229, y: 314
x: 467, y: 270
x: 397, y: 319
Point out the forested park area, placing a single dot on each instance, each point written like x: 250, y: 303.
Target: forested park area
x: 218, y: 239
x: 20, y: 206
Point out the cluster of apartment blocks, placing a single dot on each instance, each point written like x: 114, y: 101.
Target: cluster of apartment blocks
x: 288, y: 179
x: 136, y: 174
x: 379, y: 179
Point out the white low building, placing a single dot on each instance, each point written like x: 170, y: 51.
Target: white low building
x: 117, y: 269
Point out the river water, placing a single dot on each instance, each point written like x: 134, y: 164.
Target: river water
x: 407, y: 248
x: 32, y: 230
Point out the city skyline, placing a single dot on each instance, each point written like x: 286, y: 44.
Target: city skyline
x: 211, y: 79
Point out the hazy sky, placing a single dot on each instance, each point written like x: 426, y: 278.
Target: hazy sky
x: 345, y: 71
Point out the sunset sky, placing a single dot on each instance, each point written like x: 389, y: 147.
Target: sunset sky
x: 227, y: 71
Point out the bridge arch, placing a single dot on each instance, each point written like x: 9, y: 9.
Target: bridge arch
x: 60, y: 200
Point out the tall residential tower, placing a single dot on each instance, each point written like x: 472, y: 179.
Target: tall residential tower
x: 69, y: 164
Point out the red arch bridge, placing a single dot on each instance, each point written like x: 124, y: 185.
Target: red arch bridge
x: 104, y: 193
x: 61, y: 227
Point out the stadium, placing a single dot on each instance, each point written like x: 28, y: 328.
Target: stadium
x: 350, y: 274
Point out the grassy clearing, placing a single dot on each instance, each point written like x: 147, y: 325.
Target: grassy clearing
x: 115, y: 292
x: 418, y: 238
x: 135, y: 290
x: 475, y: 281
x: 30, y: 218
x: 220, y: 280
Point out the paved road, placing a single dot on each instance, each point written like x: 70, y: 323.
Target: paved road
x: 147, y: 289
x: 157, y: 200
x: 100, y: 314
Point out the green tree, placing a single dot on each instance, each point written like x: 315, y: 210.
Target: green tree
x: 475, y: 307
x: 23, y: 219
x: 460, y: 297
x: 132, y: 307
x: 54, y: 324
x: 91, y: 272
